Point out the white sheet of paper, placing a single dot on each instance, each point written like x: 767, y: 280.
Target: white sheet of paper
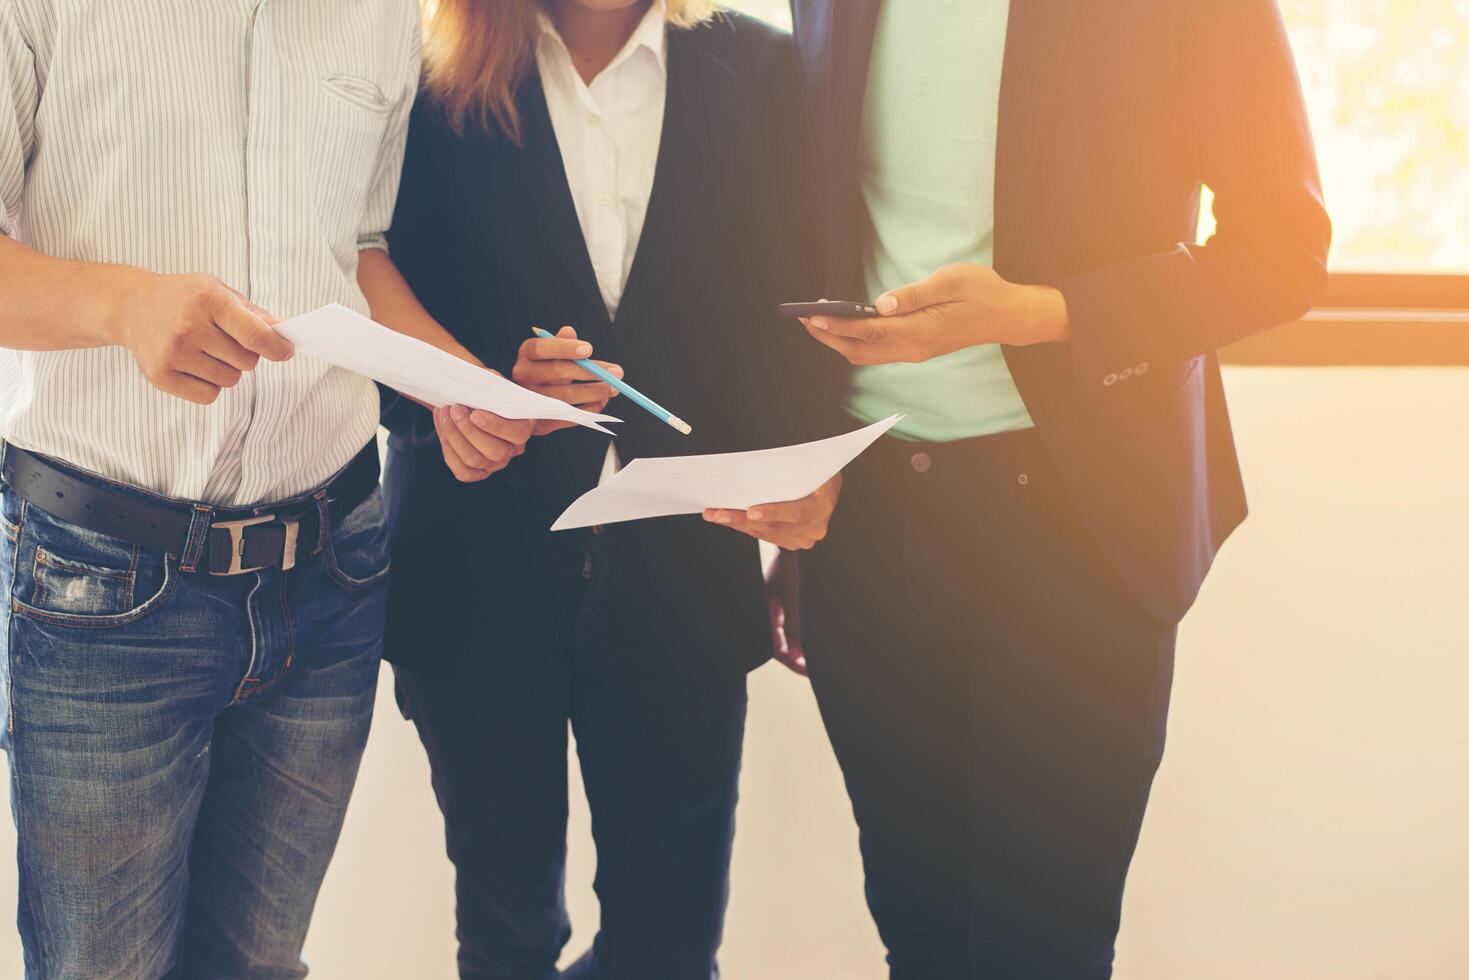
x: 665, y: 486
x: 349, y: 340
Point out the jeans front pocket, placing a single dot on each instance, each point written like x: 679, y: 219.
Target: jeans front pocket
x: 66, y: 575
x: 357, y: 554
x: 77, y: 588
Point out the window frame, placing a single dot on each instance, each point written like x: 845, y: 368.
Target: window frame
x: 1396, y: 291
x: 1371, y: 320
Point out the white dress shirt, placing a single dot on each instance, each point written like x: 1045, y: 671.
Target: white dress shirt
x: 609, y: 133
x: 258, y: 141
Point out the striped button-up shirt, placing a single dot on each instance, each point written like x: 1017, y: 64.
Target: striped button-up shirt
x: 258, y: 141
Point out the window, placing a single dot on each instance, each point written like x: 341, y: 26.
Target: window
x: 1387, y: 85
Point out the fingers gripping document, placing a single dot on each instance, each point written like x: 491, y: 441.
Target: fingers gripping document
x: 662, y: 487
x: 349, y: 340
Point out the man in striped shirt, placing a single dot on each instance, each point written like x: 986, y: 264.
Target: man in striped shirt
x: 193, y: 550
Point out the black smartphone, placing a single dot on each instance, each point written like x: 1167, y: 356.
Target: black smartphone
x: 828, y: 308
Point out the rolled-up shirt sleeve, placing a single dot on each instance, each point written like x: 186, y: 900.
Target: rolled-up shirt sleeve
x: 18, y: 95
x: 384, y: 194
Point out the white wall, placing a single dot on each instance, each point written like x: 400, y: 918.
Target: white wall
x: 1309, y: 820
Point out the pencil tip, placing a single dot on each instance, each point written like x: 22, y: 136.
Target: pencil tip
x: 680, y: 425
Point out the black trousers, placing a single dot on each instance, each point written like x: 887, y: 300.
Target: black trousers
x: 997, y: 701
x: 659, y: 736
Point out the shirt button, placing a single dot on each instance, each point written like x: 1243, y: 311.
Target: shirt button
x: 1109, y: 380
x: 922, y: 462
x: 605, y: 200
x: 1023, y: 479
x: 1143, y: 368
x: 1125, y: 375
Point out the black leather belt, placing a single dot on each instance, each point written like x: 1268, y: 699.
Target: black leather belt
x: 238, y: 541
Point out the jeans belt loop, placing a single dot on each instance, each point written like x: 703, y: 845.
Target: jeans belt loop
x: 198, y: 538
x: 324, y: 520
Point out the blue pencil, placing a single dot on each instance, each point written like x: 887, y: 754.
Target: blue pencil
x: 638, y: 398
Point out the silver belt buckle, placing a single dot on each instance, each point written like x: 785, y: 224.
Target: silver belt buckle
x: 236, y: 531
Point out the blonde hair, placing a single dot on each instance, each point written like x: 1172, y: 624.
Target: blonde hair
x: 477, y: 52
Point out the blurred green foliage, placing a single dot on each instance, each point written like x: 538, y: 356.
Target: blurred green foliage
x: 1387, y: 82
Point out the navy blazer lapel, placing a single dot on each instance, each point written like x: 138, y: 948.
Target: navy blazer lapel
x: 539, y: 173
x: 702, y: 90
x: 1035, y: 57
x: 852, y: 26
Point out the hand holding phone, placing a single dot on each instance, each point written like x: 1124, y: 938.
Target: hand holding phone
x: 836, y: 308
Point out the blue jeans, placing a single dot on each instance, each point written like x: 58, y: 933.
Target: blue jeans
x: 182, y: 747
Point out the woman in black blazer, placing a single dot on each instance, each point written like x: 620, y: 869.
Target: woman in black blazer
x: 637, y: 635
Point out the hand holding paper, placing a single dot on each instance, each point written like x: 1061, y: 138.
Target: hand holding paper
x: 349, y: 340
x: 478, y: 444
x: 672, y: 485
x: 793, y: 525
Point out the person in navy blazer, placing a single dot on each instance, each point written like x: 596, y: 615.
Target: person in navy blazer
x: 990, y: 625
x: 638, y: 636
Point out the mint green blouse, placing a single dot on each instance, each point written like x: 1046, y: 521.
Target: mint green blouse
x: 928, y: 141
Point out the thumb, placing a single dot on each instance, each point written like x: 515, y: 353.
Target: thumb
x: 915, y: 296
x: 566, y: 333
x: 251, y: 330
